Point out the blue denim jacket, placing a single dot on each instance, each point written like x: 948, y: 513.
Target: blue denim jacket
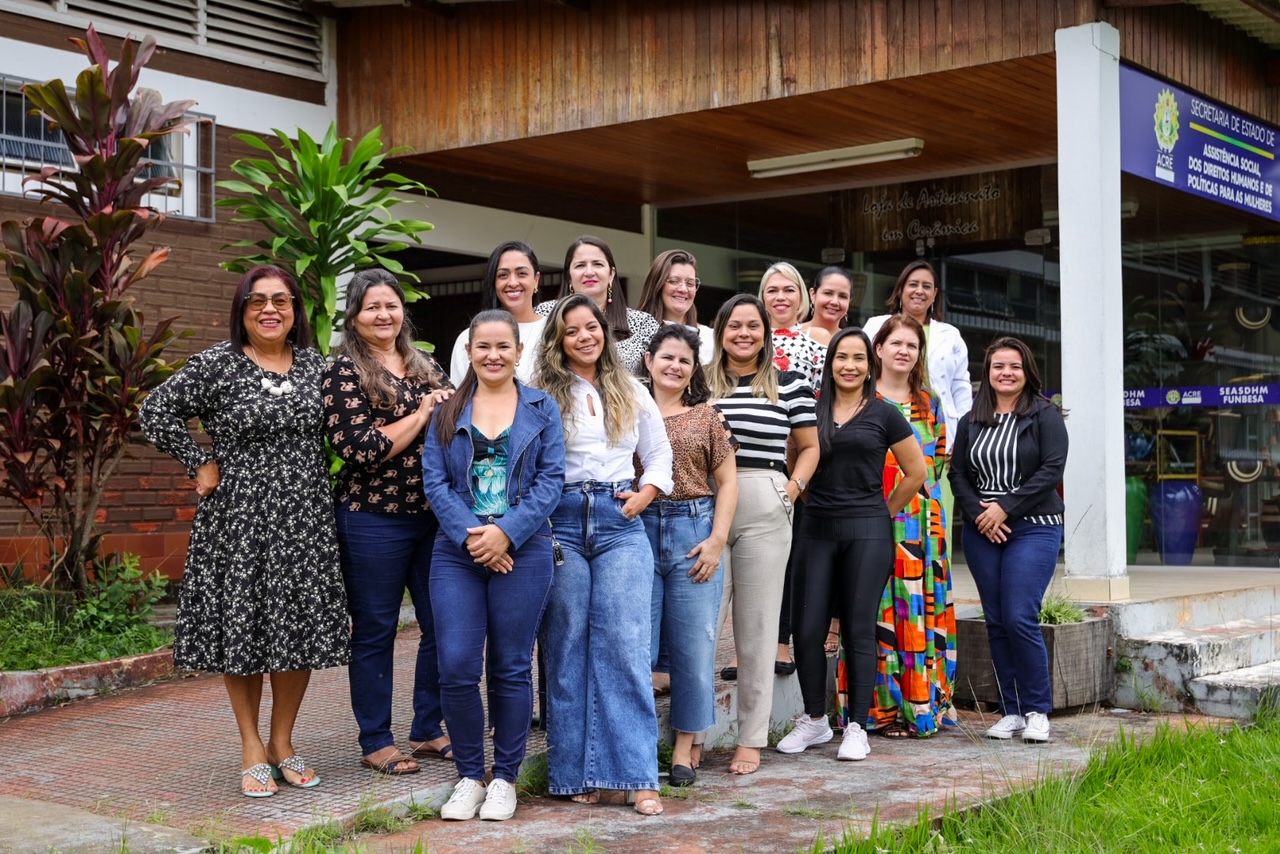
x: 535, y: 475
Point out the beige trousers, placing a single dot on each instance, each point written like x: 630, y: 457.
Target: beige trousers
x: 755, y: 565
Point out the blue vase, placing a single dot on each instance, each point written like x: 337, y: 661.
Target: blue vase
x: 1175, y: 517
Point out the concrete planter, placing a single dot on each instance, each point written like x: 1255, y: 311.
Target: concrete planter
x: 1081, y: 662
x: 23, y: 691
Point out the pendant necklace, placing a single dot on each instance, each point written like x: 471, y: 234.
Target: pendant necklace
x: 856, y: 408
x: 273, y: 389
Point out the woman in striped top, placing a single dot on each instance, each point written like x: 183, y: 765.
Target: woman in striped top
x: 764, y: 408
x: 1006, y: 463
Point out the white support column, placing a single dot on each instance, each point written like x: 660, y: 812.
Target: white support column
x: 1092, y: 309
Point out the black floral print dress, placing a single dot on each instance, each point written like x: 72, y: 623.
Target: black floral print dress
x: 263, y: 592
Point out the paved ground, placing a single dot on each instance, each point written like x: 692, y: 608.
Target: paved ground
x: 157, y: 768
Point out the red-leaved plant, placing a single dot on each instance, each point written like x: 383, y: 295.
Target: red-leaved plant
x: 75, y: 360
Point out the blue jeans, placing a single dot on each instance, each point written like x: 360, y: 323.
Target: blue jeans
x: 382, y: 554
x: 475, y: 605
x: 1012, y: 577
x: 602, y: 729
x: 685, y: 613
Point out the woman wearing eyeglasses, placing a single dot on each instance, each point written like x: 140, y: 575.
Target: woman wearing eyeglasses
x: 668, y: 295
x: 262, y: 592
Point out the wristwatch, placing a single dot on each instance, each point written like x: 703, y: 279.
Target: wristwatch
x: 801, y: 482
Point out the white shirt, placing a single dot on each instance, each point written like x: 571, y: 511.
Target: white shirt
x: 706, y: 342
x: 590, y: 456
x: 530, y: 335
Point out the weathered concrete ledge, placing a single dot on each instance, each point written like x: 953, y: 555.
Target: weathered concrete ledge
x: 23, y: 691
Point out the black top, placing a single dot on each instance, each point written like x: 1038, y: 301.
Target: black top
x: 850, y: 479
x: 994, y: 462
x: 1040, y: 454
x: 370, y: 481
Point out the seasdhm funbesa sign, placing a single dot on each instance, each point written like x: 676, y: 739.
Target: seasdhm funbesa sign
x: 1177, y: 137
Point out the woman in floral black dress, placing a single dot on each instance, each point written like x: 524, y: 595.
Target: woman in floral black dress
x: 262, y: 591
x: 378, y: 397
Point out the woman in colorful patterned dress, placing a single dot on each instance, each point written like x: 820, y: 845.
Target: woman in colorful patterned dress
x: 262, y: 591
x: 917, y: 631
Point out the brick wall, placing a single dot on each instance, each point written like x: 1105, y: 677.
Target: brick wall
x: 150, y: 504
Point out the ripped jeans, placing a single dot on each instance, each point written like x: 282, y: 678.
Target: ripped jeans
x: 685, y: 614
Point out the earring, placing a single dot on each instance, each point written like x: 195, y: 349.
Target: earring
x: 609, y: 301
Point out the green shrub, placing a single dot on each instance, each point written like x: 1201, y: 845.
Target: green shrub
x: 1057, y: 610
x: 41, y: 628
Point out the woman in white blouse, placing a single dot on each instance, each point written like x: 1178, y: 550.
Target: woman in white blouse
x: 668, y: 295
x: 510, y: 282
x: 601, y: 720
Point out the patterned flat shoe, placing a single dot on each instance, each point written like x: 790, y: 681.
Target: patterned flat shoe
x: 297, y: 765
x: 261, y: 774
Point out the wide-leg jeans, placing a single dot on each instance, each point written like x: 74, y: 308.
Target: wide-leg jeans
x: 382, y: 554
x: 602, y: 729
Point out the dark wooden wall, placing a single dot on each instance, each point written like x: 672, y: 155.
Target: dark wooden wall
x: 1200, y: 53
x: 491, y: 72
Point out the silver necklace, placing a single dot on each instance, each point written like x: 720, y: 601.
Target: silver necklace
x: 268, y: 386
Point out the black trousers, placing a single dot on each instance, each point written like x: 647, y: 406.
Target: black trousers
x: 845, y: 561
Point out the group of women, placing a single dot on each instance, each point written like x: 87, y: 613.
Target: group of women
x: 612, y: 483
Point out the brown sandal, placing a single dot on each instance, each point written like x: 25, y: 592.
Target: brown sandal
x: 393, y: 766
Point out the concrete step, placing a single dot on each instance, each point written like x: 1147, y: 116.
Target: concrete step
x: 1188, y: 653
x: 1235, y: 693
x: 1138, y: 619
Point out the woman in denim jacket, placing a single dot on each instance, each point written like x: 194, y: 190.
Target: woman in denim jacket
x: 493, y: 470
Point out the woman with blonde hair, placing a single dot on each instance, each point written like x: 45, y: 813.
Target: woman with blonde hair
x: 602, y: 726
x: 786, y: 298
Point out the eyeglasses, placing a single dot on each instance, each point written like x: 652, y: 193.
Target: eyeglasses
x: 691, y: 284
x: 281, y: 301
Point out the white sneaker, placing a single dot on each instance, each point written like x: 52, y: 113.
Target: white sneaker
x: 500, y: 802
x: 807, y: 733
x: 467, y: 797
x: 1007, y: 727
x: 855, y: 746
x: 1037, y: 727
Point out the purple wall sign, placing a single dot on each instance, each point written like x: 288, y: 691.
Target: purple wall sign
x: 1169, y: 134
x: 1205, y: 395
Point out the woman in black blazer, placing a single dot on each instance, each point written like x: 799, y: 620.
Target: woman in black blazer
x: 1006, y: 464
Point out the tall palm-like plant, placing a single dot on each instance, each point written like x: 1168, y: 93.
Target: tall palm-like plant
x: 75, y: 359
x: 327, y: 214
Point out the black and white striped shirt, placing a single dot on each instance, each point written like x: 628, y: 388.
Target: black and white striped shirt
x: 761, y: 427
x: 994, y: 459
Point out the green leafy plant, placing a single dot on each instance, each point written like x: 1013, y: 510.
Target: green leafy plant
x: 75, y: 359
x: 43, y: 628
x: 1058, y: 610
x: 328, y: 214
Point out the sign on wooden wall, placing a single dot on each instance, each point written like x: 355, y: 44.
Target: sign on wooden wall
x: 975, y: 208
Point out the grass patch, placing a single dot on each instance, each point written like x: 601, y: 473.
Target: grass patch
x: 1194, y: 789
x: 1057, y: 611
x: 41, y: 628
x: 532, y: 782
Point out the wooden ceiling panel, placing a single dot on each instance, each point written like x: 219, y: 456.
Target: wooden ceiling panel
x: 970, y: 119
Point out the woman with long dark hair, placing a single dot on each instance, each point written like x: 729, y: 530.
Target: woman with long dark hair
x: 688, y: 529
x: 829, y: 295
x: 493, y: 469
x: 1006, y: 464
x: 766, y: 409
x: 379, y: 394
x: 846, y: 537
x: 602, y: 725
x: 589, y: 269
x: 511, y: 282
